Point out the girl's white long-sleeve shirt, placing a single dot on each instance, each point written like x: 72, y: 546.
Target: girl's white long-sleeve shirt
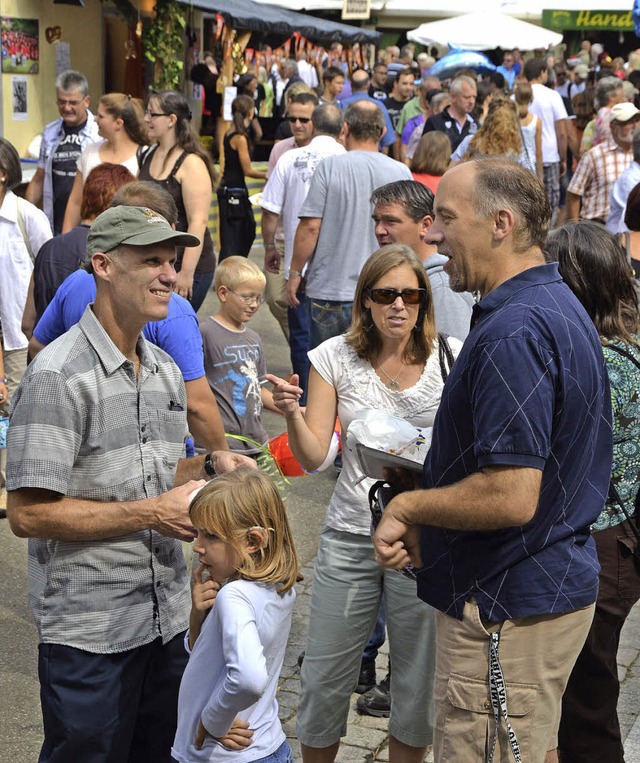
x: 233, y: 671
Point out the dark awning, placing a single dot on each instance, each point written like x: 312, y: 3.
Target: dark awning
x: 269, y: 20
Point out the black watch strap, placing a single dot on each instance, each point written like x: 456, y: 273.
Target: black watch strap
x: 208, y: 466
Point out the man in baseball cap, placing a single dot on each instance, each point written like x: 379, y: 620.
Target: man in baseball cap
x: 97, y: 481
x: 588, y: 195
x: 133, y: 226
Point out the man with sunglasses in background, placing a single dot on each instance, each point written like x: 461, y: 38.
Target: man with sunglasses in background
x: 299, y: 110
x: 63, y: 140
x: 282, y: 198
x: 335, y: 235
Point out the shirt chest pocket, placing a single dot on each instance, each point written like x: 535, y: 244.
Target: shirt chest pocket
x: 169, y: 426
x: 14, y: 249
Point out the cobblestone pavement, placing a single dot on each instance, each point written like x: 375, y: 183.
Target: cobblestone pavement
x: 367, y: 737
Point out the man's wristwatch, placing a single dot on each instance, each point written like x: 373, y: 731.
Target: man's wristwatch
x: 295, y: 273
x: 208, y: 466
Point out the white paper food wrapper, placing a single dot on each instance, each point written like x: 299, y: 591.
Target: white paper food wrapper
x: 389, y: 434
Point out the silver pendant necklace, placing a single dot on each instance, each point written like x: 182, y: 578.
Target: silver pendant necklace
x: 392, y: 384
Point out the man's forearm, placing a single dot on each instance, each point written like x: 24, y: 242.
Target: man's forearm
x: 561, y: 135
x: 269, y: 223
x: 203, y: 415
x: 206, y: 427
x: 305, y: 242
x: 491, y: 499
x: 190, y: 469
x: 34, y: 513
x: 573, y: 206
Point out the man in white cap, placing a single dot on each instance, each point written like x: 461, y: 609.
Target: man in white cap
x: 97, y: 481
x: 590, y: 188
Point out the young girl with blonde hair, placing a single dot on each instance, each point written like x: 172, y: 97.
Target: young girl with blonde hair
x: 242, y: 601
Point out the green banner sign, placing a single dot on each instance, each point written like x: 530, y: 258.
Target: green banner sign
x: 612, y: 21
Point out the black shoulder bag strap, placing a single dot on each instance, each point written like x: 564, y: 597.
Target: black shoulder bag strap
x: 445, y: 355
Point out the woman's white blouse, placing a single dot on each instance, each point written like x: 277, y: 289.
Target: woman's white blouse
x: 358, y: 386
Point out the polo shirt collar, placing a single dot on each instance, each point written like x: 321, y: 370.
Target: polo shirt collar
x: 536, y: 276
x: 451, y: 118
x: 109, y: 355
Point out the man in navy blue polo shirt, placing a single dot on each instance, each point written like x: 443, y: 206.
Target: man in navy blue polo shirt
x: 518, y: 470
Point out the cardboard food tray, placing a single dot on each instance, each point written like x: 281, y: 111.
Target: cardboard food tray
x: 373, y: 461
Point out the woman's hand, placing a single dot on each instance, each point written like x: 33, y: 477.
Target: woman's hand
x: 4, y: 394
x: 286, y: 394
x: 204, y: 591
x: 184, y: 284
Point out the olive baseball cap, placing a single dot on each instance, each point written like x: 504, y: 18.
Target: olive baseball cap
x: 133, y: 226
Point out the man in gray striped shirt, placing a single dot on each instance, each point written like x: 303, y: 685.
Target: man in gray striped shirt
x: 98, y: 483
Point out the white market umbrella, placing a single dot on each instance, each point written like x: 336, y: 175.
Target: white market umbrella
x: 484, y: 31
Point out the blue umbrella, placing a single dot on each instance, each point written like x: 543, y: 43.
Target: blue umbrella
x: 458, y: 59
x: 636, y: 17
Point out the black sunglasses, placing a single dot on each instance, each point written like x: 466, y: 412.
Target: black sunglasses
x: 389, y: 296
x: 302, y: 120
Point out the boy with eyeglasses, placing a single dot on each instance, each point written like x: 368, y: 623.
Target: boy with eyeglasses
x: 234, y: 361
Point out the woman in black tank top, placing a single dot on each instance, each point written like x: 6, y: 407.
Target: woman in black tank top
x: 181, y: 166
x: 237, y: 223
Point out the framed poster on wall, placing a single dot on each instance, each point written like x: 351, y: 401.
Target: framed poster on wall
x: 20, y: 46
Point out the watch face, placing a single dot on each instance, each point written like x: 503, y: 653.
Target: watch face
x: 208, y: 466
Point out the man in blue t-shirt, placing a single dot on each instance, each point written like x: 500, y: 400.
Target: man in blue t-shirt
x: 518, y: 471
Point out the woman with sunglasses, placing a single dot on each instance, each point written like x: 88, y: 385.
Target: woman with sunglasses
x: 120, y: 120
x: 237, y: 223
x: 389, y: 360
x: 179, y: 164
x: 595, y: 268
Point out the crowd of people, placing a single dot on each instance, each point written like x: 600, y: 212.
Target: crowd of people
x: 461, y: 255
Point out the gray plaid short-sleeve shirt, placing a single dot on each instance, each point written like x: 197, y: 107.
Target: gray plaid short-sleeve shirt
x: 83, y: 426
